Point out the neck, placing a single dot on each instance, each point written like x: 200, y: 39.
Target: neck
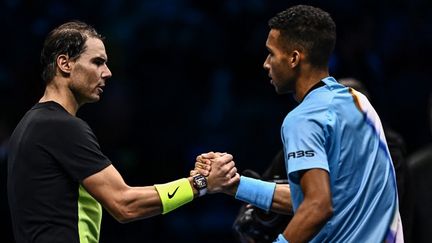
x: 307, y: 79
x: 62, y: 95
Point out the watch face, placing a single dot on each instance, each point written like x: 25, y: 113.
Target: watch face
x: 200, y: 182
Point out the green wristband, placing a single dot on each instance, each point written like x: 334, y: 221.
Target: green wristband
x: 174, y: 194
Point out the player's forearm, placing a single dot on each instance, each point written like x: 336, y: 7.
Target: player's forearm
x: 310, y: 217
x: 127, y: 203
x: 136, y: 203
x: 282, y: 200
x: 143, y: 202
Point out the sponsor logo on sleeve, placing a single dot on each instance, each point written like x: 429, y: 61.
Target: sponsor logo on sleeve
x: 301, y: 153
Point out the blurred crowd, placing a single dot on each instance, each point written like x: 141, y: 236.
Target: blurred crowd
x: 188, y: 78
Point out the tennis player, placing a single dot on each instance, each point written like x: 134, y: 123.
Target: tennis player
x: 342, y: 185
x: 58, y: 177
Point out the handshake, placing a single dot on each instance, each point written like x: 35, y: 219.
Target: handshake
x: 216, y: 172
x: 219, y: 170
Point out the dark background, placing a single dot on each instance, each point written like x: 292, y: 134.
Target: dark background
x: 188, y: 78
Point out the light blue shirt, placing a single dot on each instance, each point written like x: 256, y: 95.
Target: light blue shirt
x: 336, y: 129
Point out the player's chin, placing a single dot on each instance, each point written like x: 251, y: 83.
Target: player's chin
x: 281, y: 91
x: 94, y: 98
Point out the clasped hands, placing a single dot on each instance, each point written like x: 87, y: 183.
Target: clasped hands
x: 220, y: 170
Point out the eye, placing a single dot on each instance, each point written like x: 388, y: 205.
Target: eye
x: 270, y: 53
x: 99, y: 61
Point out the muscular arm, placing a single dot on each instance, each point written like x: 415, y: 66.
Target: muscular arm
x: 124, y: 203
x: 315, y: 210
x: 127, y: 203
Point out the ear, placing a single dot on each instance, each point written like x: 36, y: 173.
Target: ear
x: 295, y: 58
x: 64, y: 64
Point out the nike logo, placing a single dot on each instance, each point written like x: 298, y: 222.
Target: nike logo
x: 174, y: 192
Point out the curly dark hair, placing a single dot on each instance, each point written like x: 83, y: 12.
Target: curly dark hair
x: 69, y: 38
x: 309, y: 28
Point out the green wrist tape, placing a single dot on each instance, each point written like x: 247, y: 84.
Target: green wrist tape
x: 174, y: 194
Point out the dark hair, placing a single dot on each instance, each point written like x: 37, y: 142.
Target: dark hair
x: 309, y: 28
x: 69, y: 38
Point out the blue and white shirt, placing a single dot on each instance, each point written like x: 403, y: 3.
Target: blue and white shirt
x: 336, y: 129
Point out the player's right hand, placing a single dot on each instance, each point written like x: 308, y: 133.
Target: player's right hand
x: 203, y: 163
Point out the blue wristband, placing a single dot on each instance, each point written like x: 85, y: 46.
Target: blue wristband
x: 256, y: 192
x: 280, y: 239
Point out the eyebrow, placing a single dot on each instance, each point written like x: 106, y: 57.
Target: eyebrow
x: 100, y: 58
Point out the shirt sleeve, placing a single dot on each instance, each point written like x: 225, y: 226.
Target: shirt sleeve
x: 304, y: 139
x: 76, y: 149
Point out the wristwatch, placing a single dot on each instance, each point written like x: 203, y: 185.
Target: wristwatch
x: 200, y: 183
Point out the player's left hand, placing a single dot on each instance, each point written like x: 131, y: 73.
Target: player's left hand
x: 223, y: 174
